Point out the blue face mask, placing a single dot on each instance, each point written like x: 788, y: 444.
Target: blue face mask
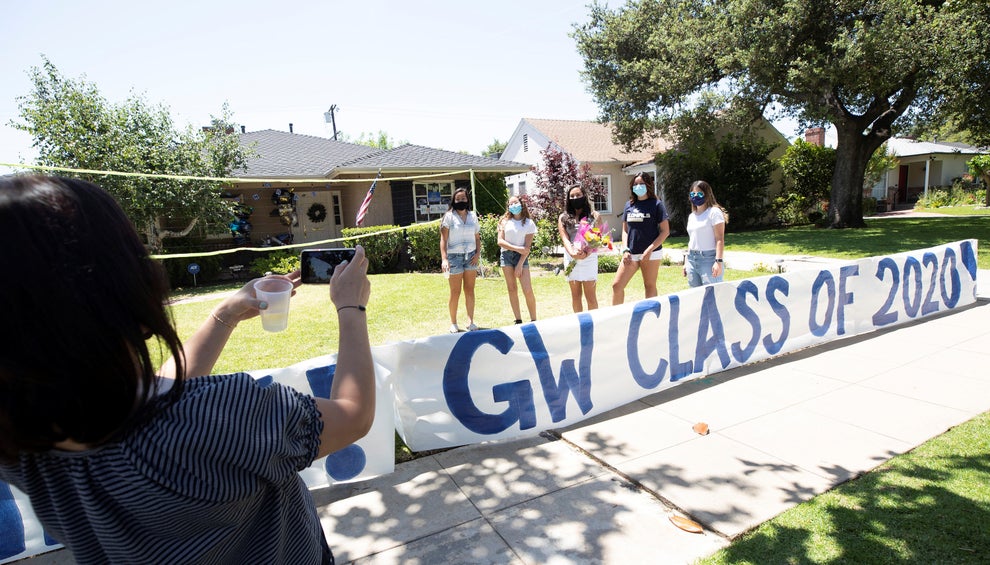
x: 639, y: 189
x: 697, y: 198
x: 515, y: 208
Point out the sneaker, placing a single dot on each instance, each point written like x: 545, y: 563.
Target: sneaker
x: 454, y: 329
x: 472, y: 327
x: 518, y: 322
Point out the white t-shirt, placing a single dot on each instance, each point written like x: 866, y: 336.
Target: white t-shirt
x: 515, y: 232
x: 701, y: 228
x: 460, y: 234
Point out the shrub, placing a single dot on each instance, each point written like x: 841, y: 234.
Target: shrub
x: 424, y: 246
x: 489, y: 238
x: 790, y: 209
x: 277, y: 262
x: 869, y: 206
x: 382, y: 248
x: 738, y: 168
x: 490, y: 193
x: 546, y: 237
x: 608, y: 262
x: 808, y: 169
x: 936, y: 199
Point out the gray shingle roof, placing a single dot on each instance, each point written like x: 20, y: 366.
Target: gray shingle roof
x: 283, y: 154
x: 406, y: 157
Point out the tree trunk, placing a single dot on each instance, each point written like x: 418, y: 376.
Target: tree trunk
x: 852, y: 154
x: 156, y: 235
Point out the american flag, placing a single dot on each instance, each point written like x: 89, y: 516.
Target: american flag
x: 363, y: 210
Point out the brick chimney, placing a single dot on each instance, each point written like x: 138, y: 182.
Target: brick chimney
x: 815, y: 136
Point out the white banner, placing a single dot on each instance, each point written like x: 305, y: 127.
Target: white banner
x: 465, y: 388
x: 517, y: 381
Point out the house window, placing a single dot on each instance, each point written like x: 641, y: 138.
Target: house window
x: 431, y: 200
x: 603, y: 203
x: 525, y: 143
x: 522, y: 188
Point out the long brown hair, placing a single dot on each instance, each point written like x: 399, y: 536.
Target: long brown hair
x: 704, y: 187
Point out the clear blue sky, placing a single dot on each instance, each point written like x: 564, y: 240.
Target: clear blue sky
x: 450, y: 74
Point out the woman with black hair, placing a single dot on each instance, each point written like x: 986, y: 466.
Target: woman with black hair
x: 460, y: 254
x: 644, y: 229
x: 126, y: 464
x: 583, y: 275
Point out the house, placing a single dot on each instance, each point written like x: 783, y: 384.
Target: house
x: 591, y: 143
x: 921, y: 165
x: 312, y: 187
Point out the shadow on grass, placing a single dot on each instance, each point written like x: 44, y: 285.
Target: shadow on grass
x: 931, y: 505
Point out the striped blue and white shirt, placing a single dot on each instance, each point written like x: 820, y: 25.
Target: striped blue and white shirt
x: 213, y: 478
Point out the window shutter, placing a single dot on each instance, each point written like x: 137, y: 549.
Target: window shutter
x: 402, y: 202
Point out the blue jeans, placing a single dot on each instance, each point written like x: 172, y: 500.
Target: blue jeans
x: 698, y: 266
x: 460, y: 262
x: 510, y: 258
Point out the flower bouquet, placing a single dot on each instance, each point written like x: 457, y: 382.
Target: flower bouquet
x: 591, y: 238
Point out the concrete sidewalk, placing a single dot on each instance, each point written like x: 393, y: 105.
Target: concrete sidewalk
x: 782, y: 431
x: 603, y: 491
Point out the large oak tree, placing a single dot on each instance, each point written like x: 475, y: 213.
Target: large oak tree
x: 871, y: 68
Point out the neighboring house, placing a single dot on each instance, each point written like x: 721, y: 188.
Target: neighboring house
x: 921, y: 165
x: 585, y: 142
x: 341, y: 174
x: 591, y: 143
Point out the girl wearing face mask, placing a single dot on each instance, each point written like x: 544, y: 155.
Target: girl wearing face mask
x: 584, y: 277
x: 460, y: 240
x: 515, y: 236
x: 644, y: 229
x: 706, y: 236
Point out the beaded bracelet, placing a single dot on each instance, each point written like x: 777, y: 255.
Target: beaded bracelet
x: 359, y: 307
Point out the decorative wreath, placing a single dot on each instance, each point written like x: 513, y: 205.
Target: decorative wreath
x: 317, y: 212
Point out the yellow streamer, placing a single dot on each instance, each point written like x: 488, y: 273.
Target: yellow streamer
x: 293, y: 246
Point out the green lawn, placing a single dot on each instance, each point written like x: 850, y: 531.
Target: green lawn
x: 402, y: 306
x: 958, y: 210
x: 882, y: 236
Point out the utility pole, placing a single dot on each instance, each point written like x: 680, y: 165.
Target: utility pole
x: 328, y: 117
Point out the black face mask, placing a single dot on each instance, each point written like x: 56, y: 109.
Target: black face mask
x: 461, y: 205
x: 579, y: 203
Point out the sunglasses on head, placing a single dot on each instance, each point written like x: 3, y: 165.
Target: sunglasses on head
x: 696, y: 194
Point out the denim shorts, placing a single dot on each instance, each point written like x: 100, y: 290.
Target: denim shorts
x: 510, y: 258
x: 460, y: 262
x: 698, y: 266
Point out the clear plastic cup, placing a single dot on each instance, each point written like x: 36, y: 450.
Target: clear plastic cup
x: 276, y: 292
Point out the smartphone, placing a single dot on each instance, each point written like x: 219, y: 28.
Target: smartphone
x: 317, y: 265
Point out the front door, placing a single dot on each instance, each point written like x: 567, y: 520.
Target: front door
x: 317, y: 217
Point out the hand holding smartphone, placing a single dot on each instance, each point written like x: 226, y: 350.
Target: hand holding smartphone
x: 317, y: 265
